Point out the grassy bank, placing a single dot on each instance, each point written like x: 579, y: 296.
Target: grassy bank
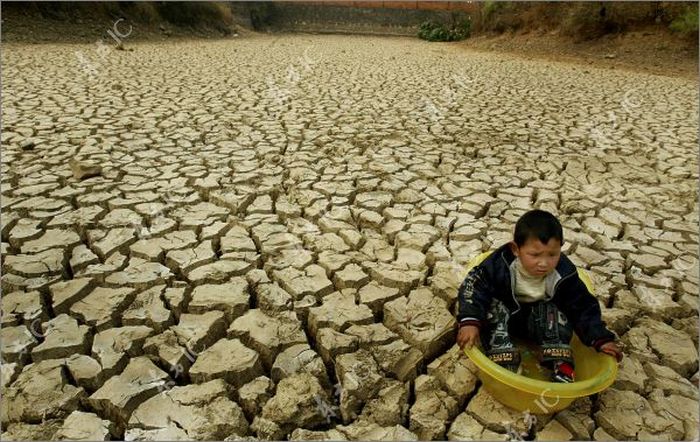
x: 76, y: 21
x: 586, y: 20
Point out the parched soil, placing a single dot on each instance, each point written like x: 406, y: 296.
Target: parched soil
x: 650, y: 50
x: 264, y: 236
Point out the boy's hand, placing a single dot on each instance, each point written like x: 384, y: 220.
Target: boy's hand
x: 612, y: 349
x: 468, y: 336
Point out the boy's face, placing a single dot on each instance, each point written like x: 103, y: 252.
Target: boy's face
x: 538, y: 258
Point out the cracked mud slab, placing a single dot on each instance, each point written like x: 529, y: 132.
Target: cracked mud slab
x: 263, y: 237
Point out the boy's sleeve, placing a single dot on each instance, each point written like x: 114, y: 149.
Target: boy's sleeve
x: 581, y: 308
x: 474, y: 295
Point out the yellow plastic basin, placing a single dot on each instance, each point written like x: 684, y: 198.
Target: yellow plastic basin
x: 531, y: 391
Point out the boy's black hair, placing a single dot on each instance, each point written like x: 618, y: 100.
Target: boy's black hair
x: 538, y: 224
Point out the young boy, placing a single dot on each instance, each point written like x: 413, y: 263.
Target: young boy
x: 528, y: 288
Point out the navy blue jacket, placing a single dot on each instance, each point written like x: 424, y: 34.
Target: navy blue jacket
x: 495, y: 278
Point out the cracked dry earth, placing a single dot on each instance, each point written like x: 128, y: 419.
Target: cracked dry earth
x: 263, y: 237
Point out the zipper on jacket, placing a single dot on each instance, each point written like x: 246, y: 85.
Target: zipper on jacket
x: 512, y: 286
x: 554, y: 290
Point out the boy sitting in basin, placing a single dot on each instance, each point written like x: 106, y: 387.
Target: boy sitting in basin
x: 528, y: 288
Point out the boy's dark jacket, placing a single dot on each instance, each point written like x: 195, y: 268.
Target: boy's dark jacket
x: 495, y: 276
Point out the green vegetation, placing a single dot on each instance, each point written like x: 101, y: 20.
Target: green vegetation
x: 490, y: 8
x: 687, y: 22
x: 194, y: 13
x: 585, y: 20
x: 179, y: 13
x: 433, y: 31
x: 261, y: 14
